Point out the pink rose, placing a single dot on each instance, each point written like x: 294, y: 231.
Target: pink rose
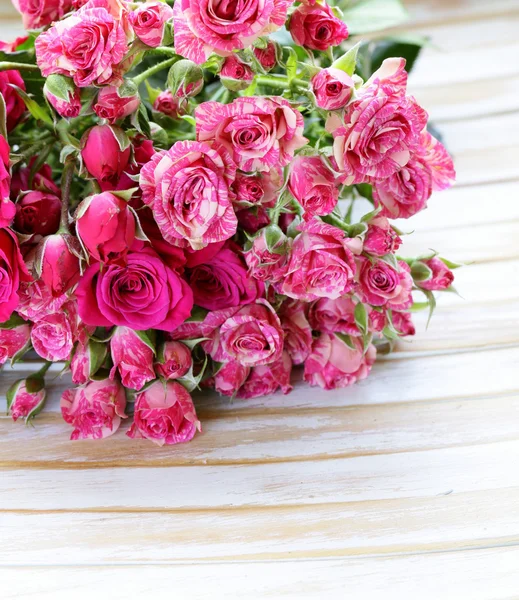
x: 267, y: 57
x: 25, y: 398
x: 88, y: 46
x: 165, y: 414
x: 13, y: 46
x: 38, y: 13
x: 36, y: 301
x: 316, y: 27
x: 441, y: 278
x: 321, y: 264
x: 297, y: 330
x: 105, y: 226
x: 53, y: 335
x: 173, y: 360
x: 12, y: 273
x: 13, y: 340
x: 103, y: 156
x: 235, y: 75
x: 7, y: 208
x: 333, y: 316
x: 201, y: 27
x: 379, y: 130
x: 132, y: 356
x: 436, y: 157
x: 267, y: 258
x: 142, y: 294
x: 187, y: 188
x: 251, y: 335
x: 14, y: 104
x: 258, y: 189
x: 110, y: 106
x: 86, y: 360
x: 403, y: 323
x: 382, y: 285
x: 94, y: 410
x: 381, y: 238
x: 229, y: 379
x: 313, y: 185
x: 58, y: 263
x: 266, y: 379
x: 259, y: 133
x: 332, y: 88
x: 70, y: 108
x: 37, y: 213
x: 169, y: 105
x: 223, y: 282
x: 333, y: 364
x: 149, y: 22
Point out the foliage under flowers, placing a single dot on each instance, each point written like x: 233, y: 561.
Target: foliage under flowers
x: 177, y: 198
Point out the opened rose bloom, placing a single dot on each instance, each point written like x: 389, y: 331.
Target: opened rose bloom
x: 12, y: 273
x: 53, y: 335
x: 315, y: 26
x: 333, y: 316
x: 383, y: 285
x: 37, y: 13
x: 266, y: 379
x: 164, y: 414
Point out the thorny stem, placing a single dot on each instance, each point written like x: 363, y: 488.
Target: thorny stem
x: 138, y: 79
x: 8, y: 66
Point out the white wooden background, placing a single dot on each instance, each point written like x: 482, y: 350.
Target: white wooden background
x: 406, y: 486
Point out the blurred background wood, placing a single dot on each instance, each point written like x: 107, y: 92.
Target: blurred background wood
x: 404, y: 486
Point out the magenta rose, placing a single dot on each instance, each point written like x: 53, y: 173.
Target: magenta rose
x: 38, y: 13
x: 321, y: 263
x: 441, y: 277
x: 267, y: 57
x: 149, y: 22
x: 268, y: 256
x: 142, y: 294
x: 132, y: 357
x: 381, y: 238
x: 110, y: 106
x: 187, y: 188
x: 259, y: 133
x: 12, y: 273
x: 164, y: 413
x: 94, y: 410
x: 25, y: 398
x: 87, y: 45
x: 105, y: 226
x: 70, y: 108
x: 223, y: 282
x: 378, y: 132
x: 103, y: 156
x: 333, y: 316
x: 14, y: 104
x: 403, y: 323
x: 333, y: 364
x: 297, y: 330
x: 173, y: 360
x: 87, y: 358
x: 383, y: 285
x: 235, y: 75
x: 316, y: 27
x: 313, y: 185
x: 58, y: 263
x: 230, y: 377
x: 7, y: 208
x: 332, y: 88
x: 37, y: 213
x: 13, y: 340
x: 202, y: 27
x: 266, y: 379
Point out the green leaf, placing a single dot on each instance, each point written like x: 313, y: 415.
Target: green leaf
x: 60, y: 86
x: 3, y: 115
x: 189, y: 119
x: 365, y: 190
x: 97, y: 352
x: 450, y: 264
x: 348, y: 61
x: 38, y: 112
x: 148, y: 337
x: 291, y: 63
x: 127, y: 89
x: 361, y: 317
x: 11, y: 392
x: 373, y: 15
x: 14, y: 321
x: 346, y: 339
x: 153, y: 93
x: 125, y: 195
x: 18, y: 56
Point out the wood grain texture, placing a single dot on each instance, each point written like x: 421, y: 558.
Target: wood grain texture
x: 405, y: 486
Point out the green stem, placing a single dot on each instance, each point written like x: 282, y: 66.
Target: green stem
x: 43, y: 370
x: 9, y: 66
x: 280, y: 82
x: 162, y: 50
x: 66, y: 183
x: 138, y: 79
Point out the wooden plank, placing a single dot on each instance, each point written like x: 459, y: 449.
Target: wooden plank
x: 462, y: 11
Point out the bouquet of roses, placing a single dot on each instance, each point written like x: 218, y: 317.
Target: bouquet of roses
x: 182, y: 193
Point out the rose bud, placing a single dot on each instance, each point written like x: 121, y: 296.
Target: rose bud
x: 164, y: 413
x: 441, y: 276
x: 313, y: 185
x: 253, y: 219
x: 170, y: 105
x: 403, y: 322
x: 37, y: 14
x: 104, y: 156
x: 316, y: 27
x: 185, y: 79
x: 63, y: 96
x: 26, y: 397
x: 87, y: 360
x: 229, y: 379
x: 13, y: 272
x: 13, y: 340
x: 7, y: 208
x: 53, y: 335
x: 332, y: 88
x: 173, y: 360
x: 132, y: 354
x: 235, y: 75
x: 41, y: 180
x: 14, y: 104
x: 57, y: 262
x: 112, y: 107
x: 298, y: 333
x: 94, y: 410
x: 266, y: 379
x: 267, y: 56
x: 267, y: 259
x: 106, y: 226
x: 37, y: 213
x: 381, y: 238
x: 149, y: 22
x: 333, y: 364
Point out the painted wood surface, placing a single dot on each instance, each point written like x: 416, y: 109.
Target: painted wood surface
x: 405, y: 486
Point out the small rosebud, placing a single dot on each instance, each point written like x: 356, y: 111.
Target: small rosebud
x: 235, y: 75
x: 112, y: 107
x: 87, y: 360
x: 37, y: 213
x: 185, y: 79
x: 15, y: 337
x: 149, y: 22
x: 63, y: 96
x: 132, y: 354
x: 170, y: 105
x: 381, y: 238
x: 105, y: 150
x: 174, y: 360
x: 267, y: 56
x: 441, y: 277
x: 230, y: 378
x: 268, y: 256
x: 332, y: 88
x: 26, y: 397
x: 57, y: 262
